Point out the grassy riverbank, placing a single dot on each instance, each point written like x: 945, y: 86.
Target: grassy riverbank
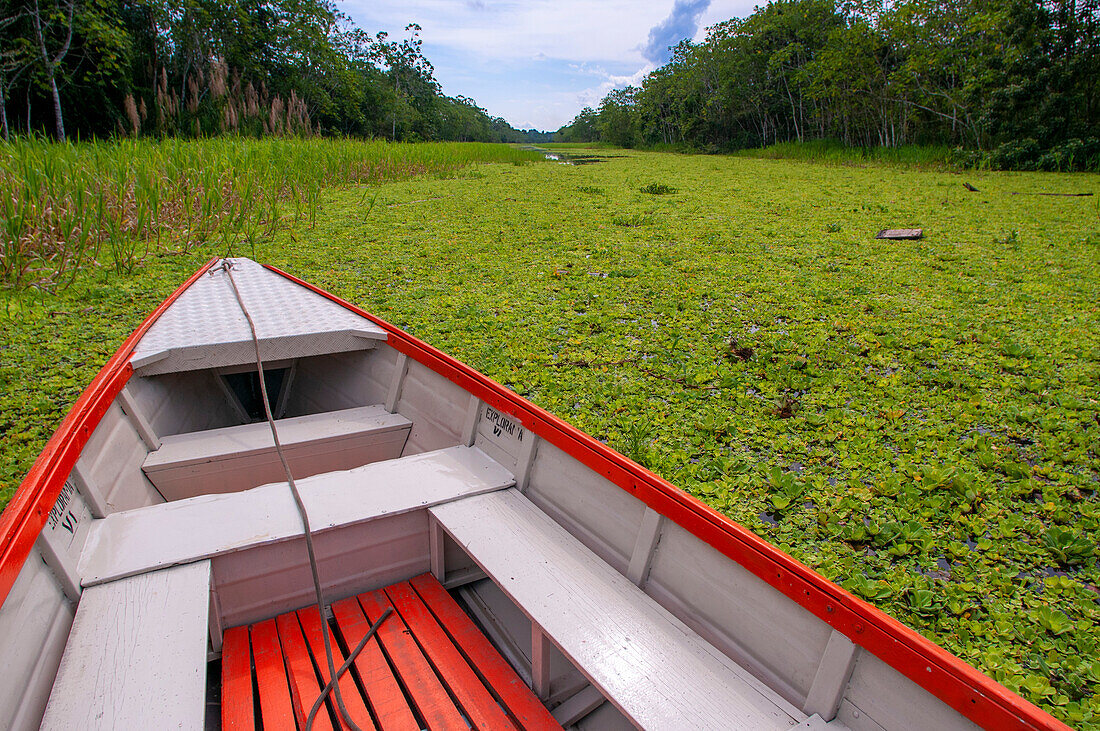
x: 918, y: 420
x: 114, y: 202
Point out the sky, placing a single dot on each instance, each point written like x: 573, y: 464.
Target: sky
x: 537, y: 63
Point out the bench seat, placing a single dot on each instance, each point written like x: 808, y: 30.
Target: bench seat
x: 136, y: 654
x: 135, y: 541
x: 235, y: 458
x: 652, y: 667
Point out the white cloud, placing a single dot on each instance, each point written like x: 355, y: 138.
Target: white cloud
x: 584, y: 68
x: 592, y: 96
x: 551, y: 111
x: 478, y: 46
x: 681, y: 23
x: 570, y: 30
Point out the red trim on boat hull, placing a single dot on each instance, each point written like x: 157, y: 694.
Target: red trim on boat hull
x: 24, y: 518
x: 956, y: 683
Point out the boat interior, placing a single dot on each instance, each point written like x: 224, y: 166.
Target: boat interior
x: 171, y: 585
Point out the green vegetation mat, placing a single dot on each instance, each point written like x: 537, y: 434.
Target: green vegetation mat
x: 917, y: 420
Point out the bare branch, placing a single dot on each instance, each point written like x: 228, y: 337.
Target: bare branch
x: 68, y: 36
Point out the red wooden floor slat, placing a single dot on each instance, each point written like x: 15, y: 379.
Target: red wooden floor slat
x: 349, y: 693
x: 521, y: 703
x: 276, y: 711
x: 430, y: 697
x: 390, y: 706
x: 428, y: 666
x: 237, y: 681
x: 478, y: 703
x: 304, y: 687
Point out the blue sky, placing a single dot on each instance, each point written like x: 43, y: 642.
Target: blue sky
x: 538, y: 63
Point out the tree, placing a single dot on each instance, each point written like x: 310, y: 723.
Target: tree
x: 616, y: 117
x: 1043, y: 110
x: 53, y: 28
x: 947, y: 50
x: 1016, y: 80
x: 851, y: 79
x: 202, y: 67
x: 581, y: 129
x: 414, y: 86
x: 15, y: 58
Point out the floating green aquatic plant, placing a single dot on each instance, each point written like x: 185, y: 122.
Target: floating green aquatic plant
x: 916, y: 420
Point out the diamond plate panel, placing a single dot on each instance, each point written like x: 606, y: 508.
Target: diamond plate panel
x: 205, y: 328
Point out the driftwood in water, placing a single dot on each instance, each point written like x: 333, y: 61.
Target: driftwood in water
x: 1068, y: 195
x: 972, y: 189
x: 900, y: 233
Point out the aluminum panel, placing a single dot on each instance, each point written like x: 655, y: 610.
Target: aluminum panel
x: 205, y: 328
x: 34, y: 624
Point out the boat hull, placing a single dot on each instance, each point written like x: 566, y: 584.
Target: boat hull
x: 780, y: 620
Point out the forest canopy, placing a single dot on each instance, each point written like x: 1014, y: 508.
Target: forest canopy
x: 93, y: 68
x: 1006, y: 83
x: 1009, y: 83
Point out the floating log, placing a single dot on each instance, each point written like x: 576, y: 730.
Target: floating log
x: 900, y: 233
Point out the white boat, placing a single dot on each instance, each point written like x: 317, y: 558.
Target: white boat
x: 154, y: 569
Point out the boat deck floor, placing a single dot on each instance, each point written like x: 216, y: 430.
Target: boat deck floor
x: 428, y: 666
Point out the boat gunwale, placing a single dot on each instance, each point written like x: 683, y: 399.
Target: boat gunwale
x: 960, y: 685
x: 955, y: 682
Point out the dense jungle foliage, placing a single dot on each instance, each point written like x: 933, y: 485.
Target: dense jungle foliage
x: 1007, y: 83
x: 203, y: 67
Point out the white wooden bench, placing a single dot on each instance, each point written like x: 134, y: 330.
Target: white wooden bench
x: 651, y: 666
x: 240, y: 457
x: 135, y: 541
x: 136, y: 655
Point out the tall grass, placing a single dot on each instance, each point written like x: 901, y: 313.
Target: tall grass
x: 66, y: 206
x: 836, y: 152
